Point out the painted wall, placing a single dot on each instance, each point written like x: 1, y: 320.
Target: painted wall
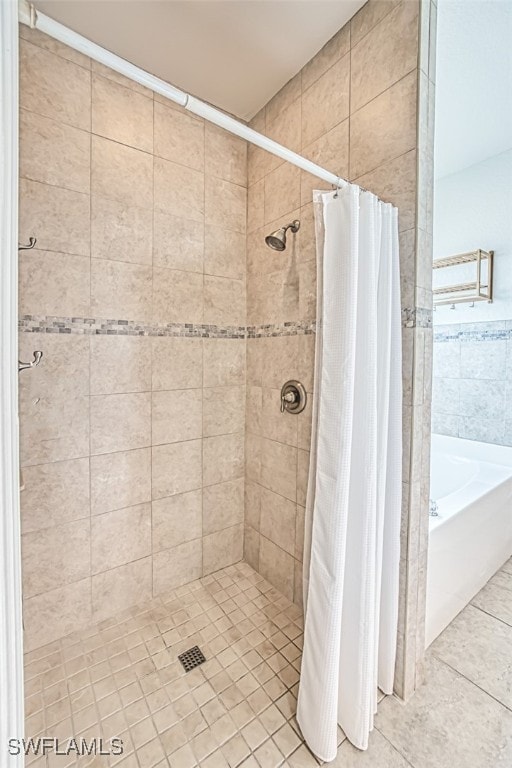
x: 473, y: 209
x: 472, y: 388
x: 132, y: 427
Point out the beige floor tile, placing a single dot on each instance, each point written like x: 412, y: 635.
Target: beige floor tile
x: 479, y: 647
x: 496, y: 597
x: 449, y: 722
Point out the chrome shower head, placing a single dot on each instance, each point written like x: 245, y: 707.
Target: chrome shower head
x: 277, y: 240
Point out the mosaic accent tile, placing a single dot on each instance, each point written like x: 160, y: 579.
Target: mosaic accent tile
x: 497, y: 330
x: 96, y: 326
x: 92, y: 326
x: 416, y: 317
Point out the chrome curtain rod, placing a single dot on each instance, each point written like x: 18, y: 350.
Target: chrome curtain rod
x: 31, y: 17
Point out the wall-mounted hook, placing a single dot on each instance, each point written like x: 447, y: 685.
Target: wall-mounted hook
x: 31, y: 242
x: 37, y: 359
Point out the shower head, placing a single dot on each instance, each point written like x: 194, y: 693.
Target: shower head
x: 277, y: 240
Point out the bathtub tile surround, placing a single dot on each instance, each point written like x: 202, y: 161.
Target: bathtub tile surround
x: 472, y: 385
x: 166, y: 258
x: 380, y: 137
x: 115, y: 431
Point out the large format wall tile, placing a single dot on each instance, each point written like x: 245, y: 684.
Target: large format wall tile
x: 176, y: 416
x: 177, y: 566
x: 179, y: 190
x: 384, y: 128
x: 120, y: 537
x: 121, y: 173
x: 177, y: 519
x: 54, y: 284
x: 126, y: 585
x: 326, y: 102
x: 54, y: 87
x: 53, y: 428
x: 54, y: 494
x: 225, y: 204
x: 224, y: 252
x: 42, y: 157
x: 121, y: 290
x: 226, y: 155
x: 179, y: 137
x: 395, y: 182
x: 282, y: 192
x: 223, y: 458
x: 385, y: 55
x: 56, y: 613
x: 122, y: 237
x: 223, y: 410
x: 277, y: 566
x: 120, y: 232
x: 120, y: 422
x: 176, y: 468
x: 120, y: 480
x: 177, y: 296
x: 178, y: 242
x: 279, y: 468
x: 278, y: 520
x: 38, y: 38
x: 223, y: 505
x: 120, y: 364
x: 222, y: 548
x: 224, y: 362
x: 55, y: 556
x: 110, y: 105
x: 224, y: 301
x: 176, y: 363
x: 43, y: 208
x: 326, y: 57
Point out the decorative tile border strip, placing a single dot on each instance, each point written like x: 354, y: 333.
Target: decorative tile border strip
x: 498, y: 330
x: 100, y: 327
x: 93, y: 326
x: 292, y: 328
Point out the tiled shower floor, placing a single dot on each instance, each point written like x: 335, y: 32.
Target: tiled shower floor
x: 122, y: 678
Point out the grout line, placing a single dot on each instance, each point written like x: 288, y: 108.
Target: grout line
x: 487, y: 613
x: 470, y: 681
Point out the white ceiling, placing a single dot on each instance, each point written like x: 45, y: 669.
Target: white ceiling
x: 473, y: 82
x: 235, y: 54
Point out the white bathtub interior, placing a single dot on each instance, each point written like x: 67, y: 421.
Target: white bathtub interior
x: 471, y: 533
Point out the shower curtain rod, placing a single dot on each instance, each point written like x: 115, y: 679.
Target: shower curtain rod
x: 31, y: 17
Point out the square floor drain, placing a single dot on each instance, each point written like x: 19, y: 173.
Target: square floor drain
x: 192, y: 658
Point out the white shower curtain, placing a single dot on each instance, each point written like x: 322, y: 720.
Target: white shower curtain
x: 352, y: 549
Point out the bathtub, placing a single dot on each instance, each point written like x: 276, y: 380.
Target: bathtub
x: 471, y: 538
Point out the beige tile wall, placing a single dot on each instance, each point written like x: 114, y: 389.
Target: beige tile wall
x: 132, y: 448
x: 359, y: 108
x: 166, y: 241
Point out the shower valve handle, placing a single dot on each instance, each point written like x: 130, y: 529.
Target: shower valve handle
x: 293, y: 397
x: 287, y: 397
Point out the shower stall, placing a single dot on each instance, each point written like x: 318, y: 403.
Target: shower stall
x: 163, y: 471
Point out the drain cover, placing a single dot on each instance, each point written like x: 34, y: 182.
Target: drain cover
x: 191, y: 658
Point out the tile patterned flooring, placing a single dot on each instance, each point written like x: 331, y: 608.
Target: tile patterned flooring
x: 122, y: 678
